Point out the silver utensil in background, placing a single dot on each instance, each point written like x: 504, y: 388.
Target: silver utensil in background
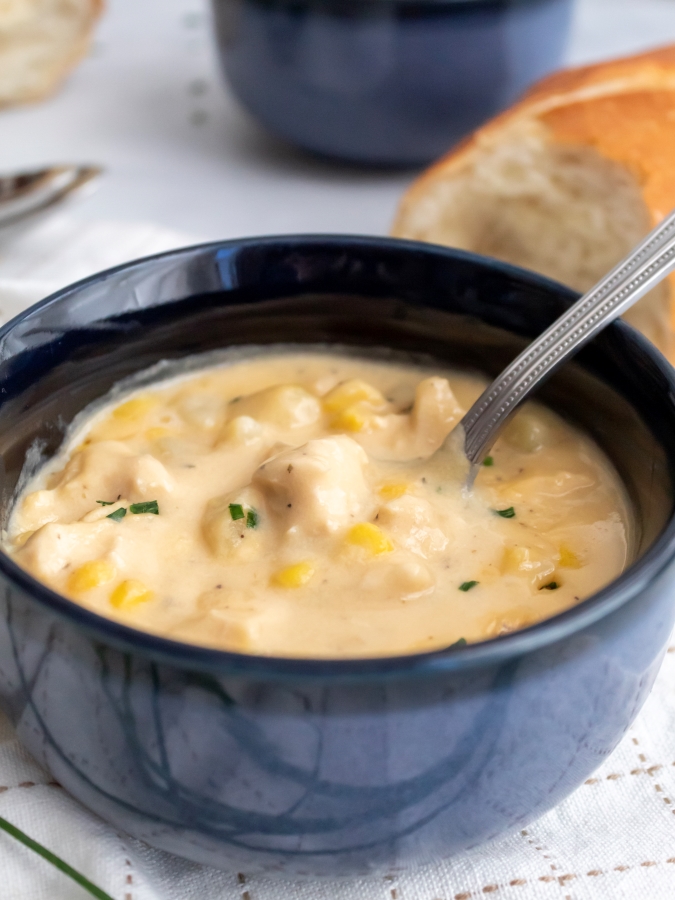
x: 25, y: 197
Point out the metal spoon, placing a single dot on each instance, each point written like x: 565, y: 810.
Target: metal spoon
x: 646, y: 265
x: 28, y: 195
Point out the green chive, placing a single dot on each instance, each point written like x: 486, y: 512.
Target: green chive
x: 150, y: 506
x: 505, y: 513
x: 251, y: 519
x: 488, y: 461
x: 460, y: 643
x: 236, y: 511
x: 551, y: 586
x: 105, y: 502
x: 467, y: 585
x: 118, y: 515
x: 52, y: 858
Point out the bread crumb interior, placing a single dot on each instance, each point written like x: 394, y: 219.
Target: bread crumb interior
x: 559, y: 209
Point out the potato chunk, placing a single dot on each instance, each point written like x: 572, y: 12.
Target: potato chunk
x: 434, y: 413
x: 202, y: 410
x: 287, y: 406
x: 527, y: 432
x: 400, y: 436
x: 415, y: 525
x: 55, y: 546
x: 229, y: 526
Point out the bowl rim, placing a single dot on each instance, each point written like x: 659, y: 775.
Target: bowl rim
x: 424, y: 6
x: 630, y: 583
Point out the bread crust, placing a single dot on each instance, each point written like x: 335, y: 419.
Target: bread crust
x: 625, y: 109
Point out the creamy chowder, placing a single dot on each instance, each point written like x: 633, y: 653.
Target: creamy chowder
x: 281, y: 504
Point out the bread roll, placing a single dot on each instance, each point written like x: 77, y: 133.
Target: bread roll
x: 40, y: 42
x: 566, y: 181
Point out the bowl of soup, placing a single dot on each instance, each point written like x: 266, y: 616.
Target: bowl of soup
x: 251, y: 613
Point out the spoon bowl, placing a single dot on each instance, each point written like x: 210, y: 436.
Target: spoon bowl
x: 27, y: 196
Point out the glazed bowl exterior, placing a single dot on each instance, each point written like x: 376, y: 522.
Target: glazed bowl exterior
x: 384, y: 82
x: 345, y: 767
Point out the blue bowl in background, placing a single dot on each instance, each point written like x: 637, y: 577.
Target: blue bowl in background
x: 385, y: 82
x: 320, y: 767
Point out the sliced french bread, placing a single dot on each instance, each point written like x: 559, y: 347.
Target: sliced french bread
x: 565, y: 182
x: 40, y: 42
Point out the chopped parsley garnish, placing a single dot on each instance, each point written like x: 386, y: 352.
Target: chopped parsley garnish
x: 236, y: 511
x: 118, y: 515
x: 467, y: 585
x: 149, y: 506
x: 251, y: 519
x: 505, y: 513
x: 551, y: 586
x: 105, y: 502
x: 488, y: 461
x: 460, y: 643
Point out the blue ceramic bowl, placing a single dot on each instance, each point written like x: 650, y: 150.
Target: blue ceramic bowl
x: 341, y: 767
x: 388, y: 82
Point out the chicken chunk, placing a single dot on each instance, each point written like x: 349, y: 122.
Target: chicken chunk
x: 318, y: 488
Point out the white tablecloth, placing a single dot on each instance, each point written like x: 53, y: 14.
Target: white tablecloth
x: 180, y: 155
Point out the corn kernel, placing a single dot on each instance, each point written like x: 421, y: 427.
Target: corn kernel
x: 130, y: 593
x: 567, y: 558
x: 530, y: 561
x: 90, y: 575
x: 294, y: 576
x: 351, y: 392
x: 515, y: 559
x: 393, y: 491
x: 370, y: 537
x: 154, y: 434
x: 351, y: 419
x: 134, y: 409
x: 124, y: 421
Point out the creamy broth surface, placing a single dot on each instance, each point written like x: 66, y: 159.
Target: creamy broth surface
x: 283, y: 504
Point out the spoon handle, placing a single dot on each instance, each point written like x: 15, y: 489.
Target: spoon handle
x: 648, y: 264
